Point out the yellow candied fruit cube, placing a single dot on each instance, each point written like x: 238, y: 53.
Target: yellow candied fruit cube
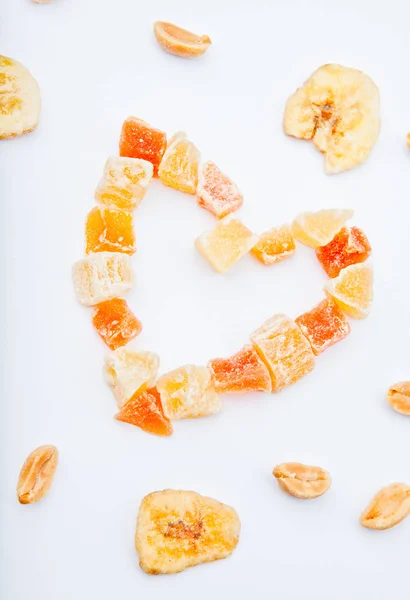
x: 102, y: 276
x: 124, y: 182
x: 275, y: 245
x: 316, y: 229
x: 109, y: 230
x: 226, y: 243
x: 179, y: 165
x: 188, y: 392
x: 352, y: 290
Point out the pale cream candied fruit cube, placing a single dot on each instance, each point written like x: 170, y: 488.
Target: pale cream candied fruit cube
x: 124, y: 182
x: 101, y: 276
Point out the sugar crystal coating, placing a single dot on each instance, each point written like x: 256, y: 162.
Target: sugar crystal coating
x: 274, y: 245
x: 115, y: 323
x: 180, y: 163
x: 216, y: 192
x: 144, y: 410
x: 109, y: 230
x: 124, y: 182
x: 324, y: 325
x: 352, y: 290
x: 102, y: 276
x: 349, y: 247
x: 319, y: 228
x: 140, y: 140
x: 129, y: 372
x: 242, y: 372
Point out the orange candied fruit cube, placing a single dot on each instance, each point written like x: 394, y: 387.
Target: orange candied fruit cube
x: 242, y: 372
x: 179, y: 166
x: 109, y: 230
x: 140, y: 140
x: 115, y: 323
x: 216, y: 192
x: 124, y: 182
x: 275, y: 245
x: 145, y: 411
x: 284, y: 349
x: 324, y: 325
x: 349, y: 247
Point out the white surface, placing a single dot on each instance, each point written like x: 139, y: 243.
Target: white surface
x: 96, y: 63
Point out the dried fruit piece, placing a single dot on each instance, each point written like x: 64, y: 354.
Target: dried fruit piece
x: 216, y: 192
x: 349, y: 247
x: 284, y: 349
x: 324, y: 325
x: 188, y: 392
x: 129, y: 372
x: 139, y: 140
x: 109, y: 230
x: 36, y: 475
x: 388, y: 507
x: 179, y: 166
x: 144, y: 409
x: 124, y: 182
x: 339, y: 109
x: 408, y: 140
x: 319, y: 228
x: 352, y: 290
x: 180, y: 42
x: 102, y: 276
x: 243, y: 372
x: 398, y: 397
x: 19, y: 99
x: 302, y: 481
x: 228, y: 241
x: 274, y: 245
x: 178, y: 529
x: 115, y: 323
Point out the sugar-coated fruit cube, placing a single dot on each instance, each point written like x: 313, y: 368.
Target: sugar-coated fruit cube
x: 226, y: 243
x: 102, y: 276
x: 109, y: 230
x: 144, y: 410
x: 242, y: 372
x: 324, y: 325
x: 115, y: 323
x: 188, y: 392
x: 129, y: 372
x: 352, y: 290
x: 179, y: 165
x: 124, y: 182
x: 319, y: 228
x: 284, y: 349
x: 216, y: 192
x: 140, y: 140
x: 349, y: 247
x: 274, y: 245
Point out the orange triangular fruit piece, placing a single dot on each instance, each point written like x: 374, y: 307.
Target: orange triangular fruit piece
x: 144, y: 410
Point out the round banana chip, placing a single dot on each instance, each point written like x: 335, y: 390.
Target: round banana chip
x: 19, y: 99
x: 339, y: 110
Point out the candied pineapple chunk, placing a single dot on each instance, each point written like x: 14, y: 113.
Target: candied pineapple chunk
x: 115, y: 323
x: 243, y: 372
x: 129, y: 372
x: 324, y: 325
x: 352, y: 290
x: 188, y: 392
x: 179, y: 166
x: 178, y: 529
x: 102, y: 276
x: 319, y: 228
x: 284, y: 349
x: 124, y: 182
x: 226, y: 243
x: 140, y: 140
x: 275, y: 245
x: 349, y: 247
x: 144, y: 410
x: 216, y: 192
x: 109, y: 230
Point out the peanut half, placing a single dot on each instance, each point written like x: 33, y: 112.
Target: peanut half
x: 302, y: 481
x: 388, y: 507
x: 180, y: 42
x: 36, y: 475
x: 398, y: 397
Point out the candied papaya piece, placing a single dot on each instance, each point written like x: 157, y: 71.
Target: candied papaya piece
x: 352, y: 290
x: 179, y: 165
x: 115, y: 323
x: 140, y: 140
x: 124, y: 182
x: 102, y: 276
x: 242, y: 372
x: 324, y: 325
x: 109, y: 230
x: 274, y: 245
x: 188, y: 392
x: 319, y: 228
x: 216, y: 192
x: 129, y: 372
x: 144, y: 410
x: 284, y: 349
x: 349, y: 247
x: 226, y: 243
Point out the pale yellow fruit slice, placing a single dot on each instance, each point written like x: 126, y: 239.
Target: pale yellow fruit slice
x: 352, y: 290
x: 316, y: 229
x: 339, y: 109
x: 19, y: 99
x: 180, y: 42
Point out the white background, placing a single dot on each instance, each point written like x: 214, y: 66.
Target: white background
x: 96, y: 63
